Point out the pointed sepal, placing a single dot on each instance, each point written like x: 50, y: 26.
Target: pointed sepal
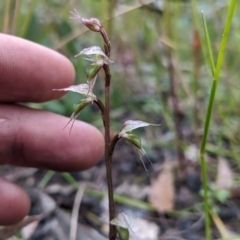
x: 94, y: 50
x: 125, y: 133
x: 123, y: 224
x: 96, y: 55
x: 83, y: 89
x: 136, y: 142
x: 130, y: 125
x: 92, y: 70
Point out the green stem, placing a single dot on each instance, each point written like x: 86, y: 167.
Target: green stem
x: 225, y: 35
x: 209, y: 110
x: 208, y: 117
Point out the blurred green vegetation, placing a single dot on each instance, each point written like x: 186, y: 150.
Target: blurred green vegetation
x: 141, y: 88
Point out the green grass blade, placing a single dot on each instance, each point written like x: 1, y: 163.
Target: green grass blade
x: 210, y: 107
x: 70, y: 179
x: 223, y: 45
x: 47, y: 177
x: 209, y: 48
x: 24, y: 19
x: 118, y: 198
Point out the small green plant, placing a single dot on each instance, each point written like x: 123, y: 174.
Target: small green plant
x: 100, y: 59
x: 215, y: 196
x: 215, y: 70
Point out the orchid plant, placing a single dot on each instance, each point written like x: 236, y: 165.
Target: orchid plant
x: 100, y: 59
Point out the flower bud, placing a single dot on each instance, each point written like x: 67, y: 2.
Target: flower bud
x: 92, y: 71
x: 123, y: 224
x: 96, y: 55
x: 133, y: 139
x: 123, y: 233
x: 92, y: 24
x: 77, y: 108
x: 136, y: 142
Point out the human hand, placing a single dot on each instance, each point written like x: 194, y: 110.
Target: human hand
x: 34, y: 138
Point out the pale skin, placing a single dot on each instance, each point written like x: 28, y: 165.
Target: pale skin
x: 35, y: 138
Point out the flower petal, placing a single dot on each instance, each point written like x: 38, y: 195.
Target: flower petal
x: 94, y: 50
x: 130, y: 125
x: 122, y: 220
x: 83, y: 89
x: 96, y: 55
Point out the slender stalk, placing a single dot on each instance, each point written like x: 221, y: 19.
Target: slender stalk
x: 108, y: 162
x: 203, y: 162
x: 112, y: 228
x: 112, y: 145
x: 196, y: 69
x: 210, y: 107
x: 205, y: 134
x: 101, y: 107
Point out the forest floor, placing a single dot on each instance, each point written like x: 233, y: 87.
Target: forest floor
x: 160, y: 205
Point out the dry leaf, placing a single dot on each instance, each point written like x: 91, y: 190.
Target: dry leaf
x: 224, y: 231
x: 162, y: 193
x: 28, y: 230
x: 225, y: 175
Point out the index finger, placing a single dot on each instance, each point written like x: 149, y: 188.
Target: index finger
x: 29, y: 72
